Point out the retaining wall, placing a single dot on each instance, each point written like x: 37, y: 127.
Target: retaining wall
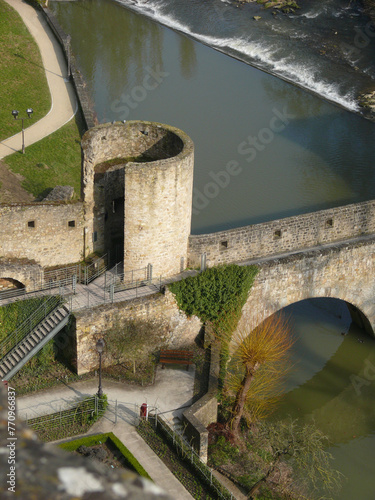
x: 161, y: 309
x: 202, y: 413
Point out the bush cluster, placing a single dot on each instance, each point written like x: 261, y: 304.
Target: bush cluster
x: 216, y: 293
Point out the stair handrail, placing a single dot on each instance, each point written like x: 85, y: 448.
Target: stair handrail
x: 46, y: 308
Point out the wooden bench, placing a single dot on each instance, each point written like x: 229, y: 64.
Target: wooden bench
x: 177, y: 357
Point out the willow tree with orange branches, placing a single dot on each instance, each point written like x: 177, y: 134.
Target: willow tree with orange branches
x: 259, y: 360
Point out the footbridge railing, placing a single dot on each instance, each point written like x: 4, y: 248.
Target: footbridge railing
x: 59, y: 278
x: 98, y: 296
x: 118, y: 281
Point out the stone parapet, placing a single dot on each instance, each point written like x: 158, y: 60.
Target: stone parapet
x: 283, y: 235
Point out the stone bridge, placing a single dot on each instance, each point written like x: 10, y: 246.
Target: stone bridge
x: 343, y: 271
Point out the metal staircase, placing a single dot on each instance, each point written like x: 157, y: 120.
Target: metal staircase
x: 25, y: 346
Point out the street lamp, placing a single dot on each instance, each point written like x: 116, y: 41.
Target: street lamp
x: 99, y: 347
x: 15, y: 114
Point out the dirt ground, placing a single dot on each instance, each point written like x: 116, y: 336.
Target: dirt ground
x: 11, y: 189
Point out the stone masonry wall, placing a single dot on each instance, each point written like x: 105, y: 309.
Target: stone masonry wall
x: 158, y: 215
x: 25, y: 272
x: 49, y: 234
x: 344, y: 271
x: 283, y: 235
x: 203, y: 412
x: 158, y: 163
x: 159, y: 308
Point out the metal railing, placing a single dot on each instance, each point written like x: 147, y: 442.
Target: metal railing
x: 78, y: 413
x: 91, y: 298
x: 63, y: 276
x: 188, y: 452
x: 11, y: 293
x: 94, y: 270
x: 128, y: 279
x: 30, y: 323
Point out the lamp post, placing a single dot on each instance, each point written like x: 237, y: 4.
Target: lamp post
x: 15, y: 114
x: 68, y: 40
x: 99, y: 347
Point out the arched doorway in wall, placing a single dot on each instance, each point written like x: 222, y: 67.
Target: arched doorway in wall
x: 10, y: 286
x: 333, y: 383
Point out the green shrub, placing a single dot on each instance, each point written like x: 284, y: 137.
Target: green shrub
x: 216, y: 292
x: 222, y: 452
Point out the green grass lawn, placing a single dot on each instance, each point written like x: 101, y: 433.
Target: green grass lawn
x: 53, y: 161
x: 110, y: 439
x: 23, y: 80
x: 56, y: 159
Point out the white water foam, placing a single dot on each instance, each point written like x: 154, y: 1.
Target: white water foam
x: 312, y: 14
x: 263, y: 56
x: 302, y: 75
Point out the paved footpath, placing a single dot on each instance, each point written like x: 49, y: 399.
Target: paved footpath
x: 64, y: 101
x: 171, y: 393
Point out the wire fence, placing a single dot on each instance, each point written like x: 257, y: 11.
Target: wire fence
x: 187, y: 452
x: 75, y: 419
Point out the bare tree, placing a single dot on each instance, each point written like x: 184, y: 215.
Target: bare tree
x: 303, y: 446
x: 132, y: 341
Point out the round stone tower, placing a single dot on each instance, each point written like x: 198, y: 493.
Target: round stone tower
x: 137, y: 183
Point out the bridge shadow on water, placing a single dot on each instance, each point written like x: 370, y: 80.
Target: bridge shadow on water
x: 339, y: 396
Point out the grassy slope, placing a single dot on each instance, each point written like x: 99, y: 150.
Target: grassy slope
x: 23, y: 81
x: 55, y: 160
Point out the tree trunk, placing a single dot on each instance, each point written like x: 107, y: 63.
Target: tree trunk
x: 241, y: 396
x: 258, y: 484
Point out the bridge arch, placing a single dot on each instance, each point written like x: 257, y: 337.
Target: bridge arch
x: 344, y: 271
x: 10, y: 283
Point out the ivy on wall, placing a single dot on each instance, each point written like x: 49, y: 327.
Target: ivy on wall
x: 215, y: 294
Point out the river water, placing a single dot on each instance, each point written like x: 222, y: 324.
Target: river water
x: 316, y: 156
x: 293, y: 152
x: 333, y: 383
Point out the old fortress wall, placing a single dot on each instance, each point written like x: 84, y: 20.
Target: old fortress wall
x: 283, y: 235
x: 137, y: 180
x: 48, y: 233
x: 136, y: 204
